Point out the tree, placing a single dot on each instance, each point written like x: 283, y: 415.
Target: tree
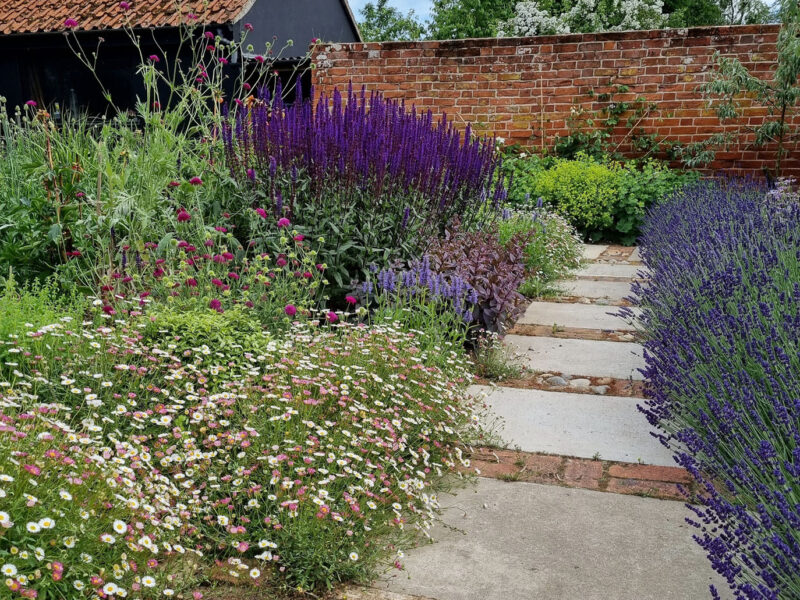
x: 693, y: 13
x: 744, y: 12
x: 547, y: 17
x: 381, y: 22
x: 459, y: 19
x: 732, y: 87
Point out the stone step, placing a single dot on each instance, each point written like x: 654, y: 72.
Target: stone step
x: 586, y: 316
x: 635, y: 256
x: 582, y: 425
x: 593, y: 358
x: 520, y: 541
x: 613, y: 291
x: 609, y: 270
x: 593, y: 251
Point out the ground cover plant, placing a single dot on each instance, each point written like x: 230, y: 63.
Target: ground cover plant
x: 720, y: 316
x: 312, y: 455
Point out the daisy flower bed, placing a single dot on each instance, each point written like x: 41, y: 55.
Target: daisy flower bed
x: 132, y: 460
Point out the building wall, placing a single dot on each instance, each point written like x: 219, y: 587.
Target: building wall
x: 525, y: 89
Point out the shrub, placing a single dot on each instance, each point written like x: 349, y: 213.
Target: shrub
x: 582, y: 190
x: 492, y: 269
x: 375, y: 180
x: 604, y: 199
x: 721, y: 319
x: 553, y: 250
x: 316, y: 456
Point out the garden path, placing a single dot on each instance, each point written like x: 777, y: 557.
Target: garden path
x: 541, y: 522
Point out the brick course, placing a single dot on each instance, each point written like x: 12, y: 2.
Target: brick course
x: 523, y: 89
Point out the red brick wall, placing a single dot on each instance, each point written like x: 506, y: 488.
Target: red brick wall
x: 523, y: 89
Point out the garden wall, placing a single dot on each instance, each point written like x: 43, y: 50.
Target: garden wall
x: 525, y: 89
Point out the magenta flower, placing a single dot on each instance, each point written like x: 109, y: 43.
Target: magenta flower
x: 248, y: 27
x: 191, y: 282
x: 31, y: 103
x: 153, y: 58
x: 290, y: 310
x: 281, y: 262
x: 70, y: 23
x: 333, y: 317
x: 183, y: 215
x: 299, y: 237
x: 124, y: 5
x: 196, y: 181
x: 223, y: 60
x: 215, y: 305
x: 284, y: 222
x: 259, y: 59
x: 261, y: 213
x: 350, y: 299
x: 173, y: 184
x: 209, y: 35
x: 233, y: 275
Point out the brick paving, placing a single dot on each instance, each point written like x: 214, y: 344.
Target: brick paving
x: 666, y: 483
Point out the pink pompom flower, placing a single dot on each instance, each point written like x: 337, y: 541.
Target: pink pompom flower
x: 153, y: 58
x: 196, y: 181
x: 290, y: 310
x: 70, y: 23
x: 284, y: 222
x: 350, y: 299
x: 183, y: 215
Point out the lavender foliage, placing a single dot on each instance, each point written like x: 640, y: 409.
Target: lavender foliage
x: 721, y: 310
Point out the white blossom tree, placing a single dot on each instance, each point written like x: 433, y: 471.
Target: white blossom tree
x: 540, y: 17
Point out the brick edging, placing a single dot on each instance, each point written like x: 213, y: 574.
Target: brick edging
x: 653, y: 481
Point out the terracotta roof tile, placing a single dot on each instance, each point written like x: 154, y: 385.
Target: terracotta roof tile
x: 26, y: 16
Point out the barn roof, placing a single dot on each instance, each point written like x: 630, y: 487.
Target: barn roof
x: 32, y: 16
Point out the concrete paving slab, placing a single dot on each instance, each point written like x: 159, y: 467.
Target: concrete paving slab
x: 613, y: 291
x: 635, y: 255
x: 574, y: 425
x: 593, y: 251
x: 609, y: 270
x: 586, y: 316
x: 525, y: 541
x: 594, y: 358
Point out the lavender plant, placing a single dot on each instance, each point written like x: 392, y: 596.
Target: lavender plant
x: 721, y: 316
x: 375, y: 179
x: 441, y: 305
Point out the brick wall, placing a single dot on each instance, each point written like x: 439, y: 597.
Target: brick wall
x: 524, y: 89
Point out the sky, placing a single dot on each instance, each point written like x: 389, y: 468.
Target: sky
x: 421, y: 7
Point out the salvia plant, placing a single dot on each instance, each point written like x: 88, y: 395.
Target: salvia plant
x: 720, y: 312
x: 366, y: 172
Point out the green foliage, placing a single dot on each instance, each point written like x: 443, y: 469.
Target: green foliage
x: 552, y: 251
x: 732, y: 88
x: 601, y: 133
x: 459, y: 19
x: 491, y: 360
x: 26, y: 307
x: 73, y: 193
x: 693, y: 13
x: 381, y: 22
x: 602, y: 198
x: 582, y: 190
